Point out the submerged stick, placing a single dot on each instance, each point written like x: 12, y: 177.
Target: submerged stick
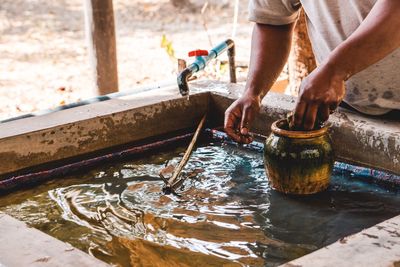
x: 173, y: 181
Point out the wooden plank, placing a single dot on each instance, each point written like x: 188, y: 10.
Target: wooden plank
x: 100, y: 30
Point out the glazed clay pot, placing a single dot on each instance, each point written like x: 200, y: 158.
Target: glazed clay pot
x: 298, y: 162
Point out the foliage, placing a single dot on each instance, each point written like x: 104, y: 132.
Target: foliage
x: 167, y: 45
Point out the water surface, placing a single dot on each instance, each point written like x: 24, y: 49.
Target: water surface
x: 226, y: 214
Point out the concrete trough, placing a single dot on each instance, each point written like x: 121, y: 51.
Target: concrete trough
x: 65, y: 136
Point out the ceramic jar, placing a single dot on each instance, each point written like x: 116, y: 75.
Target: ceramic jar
x: 298, y: 162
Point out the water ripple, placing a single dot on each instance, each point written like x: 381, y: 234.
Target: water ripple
x: 227, y: 213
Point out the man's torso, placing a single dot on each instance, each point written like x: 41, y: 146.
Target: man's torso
x: 375, y: 90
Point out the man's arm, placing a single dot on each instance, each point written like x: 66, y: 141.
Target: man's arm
x: 269, y: 52
x: 376, y: 37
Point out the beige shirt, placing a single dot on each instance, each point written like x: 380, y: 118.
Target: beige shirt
x: 375, y: 90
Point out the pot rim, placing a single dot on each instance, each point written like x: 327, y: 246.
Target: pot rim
x: 275, y: 127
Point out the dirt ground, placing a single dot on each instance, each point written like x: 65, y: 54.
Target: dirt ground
x: 44, y: 59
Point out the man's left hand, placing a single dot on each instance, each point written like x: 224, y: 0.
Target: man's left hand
x: 320, y: 93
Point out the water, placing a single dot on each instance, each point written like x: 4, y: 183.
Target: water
x: 226, y: 214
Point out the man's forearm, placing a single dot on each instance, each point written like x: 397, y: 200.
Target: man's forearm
x: 269, y: 52
x: 376, y: 37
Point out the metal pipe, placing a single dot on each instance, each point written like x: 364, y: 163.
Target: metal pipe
x: 201, y: 62
x: 183, y: 79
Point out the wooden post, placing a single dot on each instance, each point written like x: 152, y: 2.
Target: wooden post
x: 301, y: 60
x: 181, y: 3
x: 100, y: 31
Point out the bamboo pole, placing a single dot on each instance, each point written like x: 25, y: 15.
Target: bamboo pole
x: 173, y: 182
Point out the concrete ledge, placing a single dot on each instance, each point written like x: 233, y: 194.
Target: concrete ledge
x: 69, y: 133
x: 24, y: 246
x: 376, y: 246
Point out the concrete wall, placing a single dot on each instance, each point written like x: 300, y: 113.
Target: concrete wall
x: 69, y: 133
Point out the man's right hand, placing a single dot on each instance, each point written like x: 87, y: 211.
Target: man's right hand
x: 239, y: 117
x: 270, y: 48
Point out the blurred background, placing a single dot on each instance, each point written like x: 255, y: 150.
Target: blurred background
x: 44, y: 57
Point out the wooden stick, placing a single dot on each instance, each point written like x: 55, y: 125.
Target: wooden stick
x: 173, y: 180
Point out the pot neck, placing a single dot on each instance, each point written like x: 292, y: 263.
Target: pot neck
x: 277, y: 128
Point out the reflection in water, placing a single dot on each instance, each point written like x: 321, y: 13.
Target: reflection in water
x: 226, y: 214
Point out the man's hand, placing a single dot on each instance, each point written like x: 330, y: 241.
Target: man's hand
x: 320, y: 94
x: 270, y: 48
x: 239, y: 116
x: 376, y: 37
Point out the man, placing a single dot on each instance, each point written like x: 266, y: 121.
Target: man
x: 356, y: 44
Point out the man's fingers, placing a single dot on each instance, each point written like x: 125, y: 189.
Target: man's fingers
x: 310, y: 116
x: 238, y: 118
x: 299, y: 114
x: 247, y: 117
x: 333, y: 107
x: 230, y: 125
x: 323, y: 113
x: 232, y: 134
x: 246, y: 139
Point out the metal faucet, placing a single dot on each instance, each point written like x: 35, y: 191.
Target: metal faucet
x: 203, y: 57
